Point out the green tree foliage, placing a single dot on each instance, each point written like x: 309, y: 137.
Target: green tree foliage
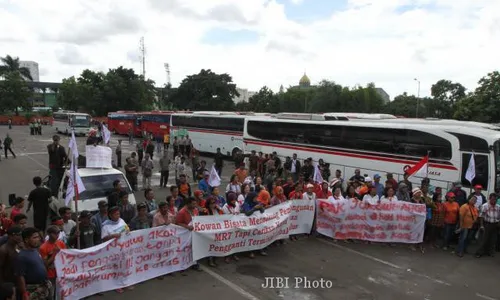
x: 14, y: 93
x: 12, y: 65
x: 328, y: 96
x: 99, y: 93
x: 205, y: 91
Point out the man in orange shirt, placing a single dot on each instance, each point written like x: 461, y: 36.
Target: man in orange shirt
x: 48, y: 251
x: 241, y: 173
x: 451, y: 209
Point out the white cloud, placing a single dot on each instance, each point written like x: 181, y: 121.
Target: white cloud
x: 372, y: 40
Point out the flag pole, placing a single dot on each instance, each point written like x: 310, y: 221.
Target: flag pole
x: 75, y: 188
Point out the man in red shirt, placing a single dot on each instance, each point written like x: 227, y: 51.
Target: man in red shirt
x: 48, y: 251
x: 185, y: 216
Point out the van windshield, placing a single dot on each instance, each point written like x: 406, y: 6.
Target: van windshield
x: 100, y: 186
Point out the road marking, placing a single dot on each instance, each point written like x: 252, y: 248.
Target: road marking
x: 38, y: 163
x: 230, y: 284
x: 384, y: 262
x: 485, y: 297
x: 33, y: 153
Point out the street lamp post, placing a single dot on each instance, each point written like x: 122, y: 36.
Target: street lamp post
x: 418, y: 95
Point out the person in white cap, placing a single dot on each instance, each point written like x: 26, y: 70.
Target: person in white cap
x: 309, y: 194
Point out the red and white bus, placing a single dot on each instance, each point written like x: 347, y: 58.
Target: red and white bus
x: 155, y: 122
x: 121, y: 122
x: 380, y: 146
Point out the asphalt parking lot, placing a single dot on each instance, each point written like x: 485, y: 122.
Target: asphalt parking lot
x: 356, y: 271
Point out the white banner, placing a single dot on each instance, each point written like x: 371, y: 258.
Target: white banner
x: 133, y: 258
x: 393, y: 222
x: 98, y: 157
x: 228, y: 234
x: 301, y: 216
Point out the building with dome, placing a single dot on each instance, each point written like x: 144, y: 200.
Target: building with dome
x: 304, y: 83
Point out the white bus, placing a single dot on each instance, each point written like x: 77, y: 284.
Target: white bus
x: 65, y: 121
x: 380, y: 146
x: 210, y: 130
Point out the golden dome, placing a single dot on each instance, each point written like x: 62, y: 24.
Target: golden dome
x: 304, y: 81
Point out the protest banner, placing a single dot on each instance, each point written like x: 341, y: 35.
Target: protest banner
x: 228, y: 234
x: 301, y: 216
x: 118, y: 263
x: 98, y: 157
x: 393, y: 222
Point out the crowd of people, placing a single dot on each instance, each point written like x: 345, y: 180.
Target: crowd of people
x: 258, y: 182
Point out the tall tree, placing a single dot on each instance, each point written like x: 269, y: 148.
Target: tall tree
x: 206, y: 91
x: 14, y: 93
x: 11, y: 64
x: 70, y: 94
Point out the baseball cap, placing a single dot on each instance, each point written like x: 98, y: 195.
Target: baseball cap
x: 376, y: 176
x: 450, y: 194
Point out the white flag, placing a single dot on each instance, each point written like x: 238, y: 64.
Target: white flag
x: 73, y: 146
x: 317, y: 174
x: 106, y: 134
x: 214, y: 179
x: 471, y: 169
x: 70, y: 190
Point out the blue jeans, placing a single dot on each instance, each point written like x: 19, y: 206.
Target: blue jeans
x: 449, y: 230
x: 465, y: 236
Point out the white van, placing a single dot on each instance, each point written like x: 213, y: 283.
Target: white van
x: 98, y: 185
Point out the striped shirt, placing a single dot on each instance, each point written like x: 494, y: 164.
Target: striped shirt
x: 490, y: 213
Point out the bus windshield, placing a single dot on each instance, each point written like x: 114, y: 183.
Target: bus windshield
x: 80, y: 121
x: 496, y: 145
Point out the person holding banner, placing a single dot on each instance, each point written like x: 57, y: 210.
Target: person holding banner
x: 309, y: 194
x: 232, y: 206
x: 161, y: 217
x: 251, y: 205
x: 113, y: 228
x: 212, y: 209
x: 185, y: 216
x: 143, y: 220
x: 279, y: 196
x: 337, y: 196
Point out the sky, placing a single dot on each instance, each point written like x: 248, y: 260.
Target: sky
x: 261, y: 42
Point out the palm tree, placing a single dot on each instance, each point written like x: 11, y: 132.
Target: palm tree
x: 11, y: 64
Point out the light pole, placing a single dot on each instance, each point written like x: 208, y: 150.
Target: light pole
x: 418, y: 95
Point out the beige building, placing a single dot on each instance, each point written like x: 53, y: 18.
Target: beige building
x: 33, y: 67
x: 245, y: 95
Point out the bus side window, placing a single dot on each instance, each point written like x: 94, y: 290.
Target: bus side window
x: 482, y: 170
